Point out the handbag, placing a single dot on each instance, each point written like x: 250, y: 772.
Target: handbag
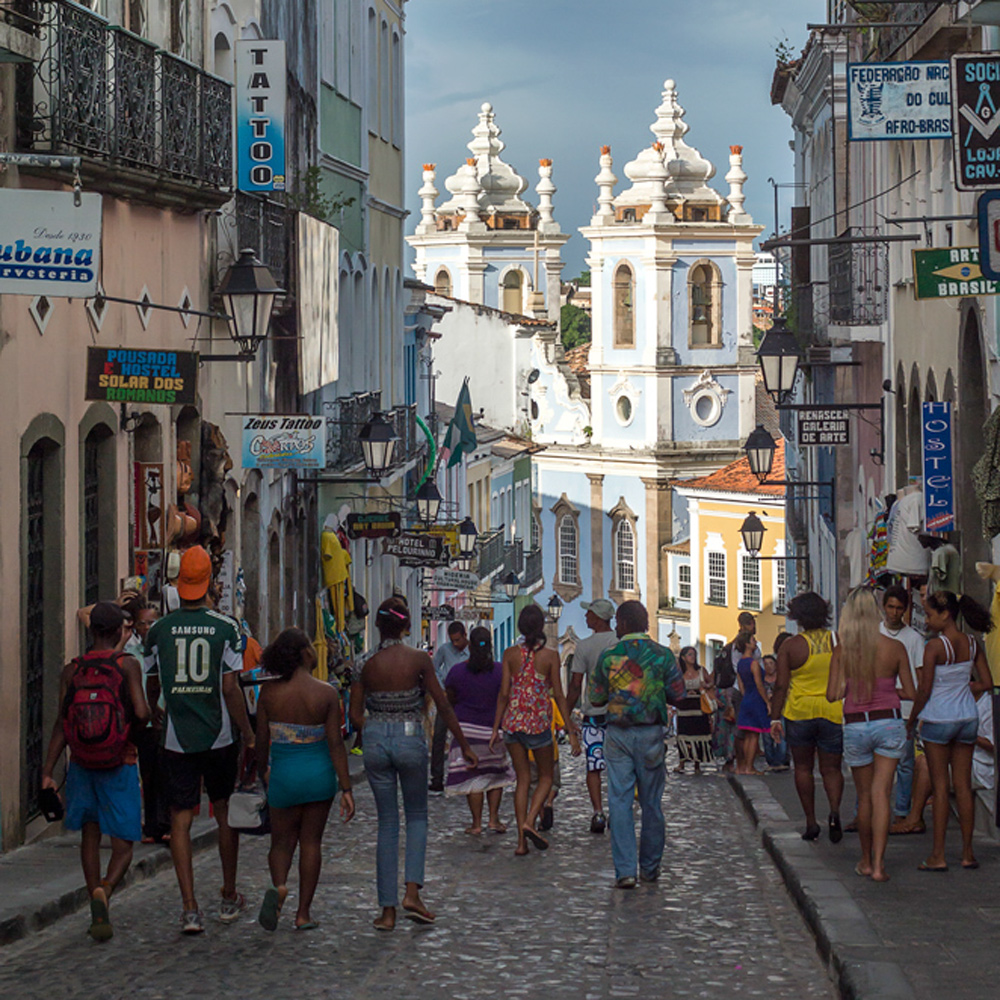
x: 708, y: 704
x: 248, y: 804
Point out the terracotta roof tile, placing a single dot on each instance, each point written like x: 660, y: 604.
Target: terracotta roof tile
x: 578, y: 358
x: 737, y: 477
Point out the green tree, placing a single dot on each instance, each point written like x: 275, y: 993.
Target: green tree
x: 310, y: 198
x: 574, y: 326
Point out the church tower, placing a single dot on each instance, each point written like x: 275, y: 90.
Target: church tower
x: 486, y: 244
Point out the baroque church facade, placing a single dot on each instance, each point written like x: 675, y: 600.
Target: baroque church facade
x: 665, y: 393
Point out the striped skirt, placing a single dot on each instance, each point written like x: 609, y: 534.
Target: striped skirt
x: 493, y: 771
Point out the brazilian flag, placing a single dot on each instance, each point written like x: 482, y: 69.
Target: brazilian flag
x: 461, y: 436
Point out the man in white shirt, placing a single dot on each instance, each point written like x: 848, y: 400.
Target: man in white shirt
x: 895, y: 603
x: 588, y: 652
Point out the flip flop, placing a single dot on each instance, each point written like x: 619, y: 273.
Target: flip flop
x: 100, y: 919
x: 540, y: 842
x: 858, y: 871
x: 906, y: 833
x: 924, y: 867
x: 309, y: 925
x: 270, y: 910
x: 970, y: 865
x: 418, y: 916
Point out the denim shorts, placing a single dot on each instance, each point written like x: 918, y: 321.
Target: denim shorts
x: 862, y: 740
x: 817, y: 734
x: 960, y: 731
x: 530, y: 741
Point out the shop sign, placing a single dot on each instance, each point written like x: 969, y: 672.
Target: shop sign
x: 448, y: 533
x: 260, y: 115
x: 455, y: 579
x: 295, y: 441
x: 898, y: 100
x: 148, y: 514
x: 416, y: 550
x: 50, y: 245
x: 939, y: 480
x: 989, y: 234
x: 440, y: 613
x: 950, y: 272
x: 824, y: 426
x: 975, y: 109
x: 124, y: 375
x: 385, y: 525
x: 474, y: 615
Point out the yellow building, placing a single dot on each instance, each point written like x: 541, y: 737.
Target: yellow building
x: 712, y: 578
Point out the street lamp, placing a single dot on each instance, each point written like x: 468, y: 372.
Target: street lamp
x: 779, y: 356
x: 249, y: 290
x: 428, y: 502
x: 467, y: 535
x: 760, y: 448
x: 752, y: 531
x: 555, y: 607
x: 511, y: 585
x: 378, y: 442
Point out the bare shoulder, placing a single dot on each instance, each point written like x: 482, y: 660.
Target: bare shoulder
x: 548, y: 657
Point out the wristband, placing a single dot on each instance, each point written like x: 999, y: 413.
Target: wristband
x: 350, y: 788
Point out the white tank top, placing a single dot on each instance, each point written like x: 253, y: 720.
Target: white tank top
x: 951, y: 697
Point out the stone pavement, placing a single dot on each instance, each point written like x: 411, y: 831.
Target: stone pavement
x: 718, y: 924
x: 921, y: 935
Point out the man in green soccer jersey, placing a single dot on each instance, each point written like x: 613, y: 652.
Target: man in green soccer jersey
x: 193, y: 656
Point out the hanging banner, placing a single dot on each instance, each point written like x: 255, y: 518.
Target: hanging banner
x: 260, y: 115
x: 455, y: 579
x: 949, y: 272
x: 824, y: 426
x: 49, y: 245
x: 898, y: 100
x: 416, y: 550
x: 284, y: 442
x: 148, y: 527
x: 975, y: 110
x: 939, y: 480
x: 123, y: 375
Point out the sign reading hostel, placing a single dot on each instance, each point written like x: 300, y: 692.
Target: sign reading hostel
x: 123, y: 375
x: 898, y: 100
x: 824, y: 426
x: 939, y: 480
x: 975, y: 110
x: 260, y: 116
x: 49, y: 245
x: 284, y: 442
x: 946, y: 272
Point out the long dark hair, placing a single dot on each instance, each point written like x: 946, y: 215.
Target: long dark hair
x: 976, y: 616
x: 392, y: 618
x: 284, y: 656
x: 480, y: 651
x: 531, y: 624
x: 683, y: 662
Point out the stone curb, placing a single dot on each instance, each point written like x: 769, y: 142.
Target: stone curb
x: 76, y: 898
x: 845, y: 938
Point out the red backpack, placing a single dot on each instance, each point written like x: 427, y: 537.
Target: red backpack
x: 96, y: 714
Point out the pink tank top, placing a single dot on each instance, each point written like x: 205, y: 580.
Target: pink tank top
x: 884, y: 695
x: 530, y: 709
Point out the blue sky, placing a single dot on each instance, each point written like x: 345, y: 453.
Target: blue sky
x: 567, y: 76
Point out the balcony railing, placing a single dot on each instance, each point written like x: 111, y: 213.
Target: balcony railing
x: 532, y: 568
x: 491, y: 552
x: 262, y: 225
x: 344, y: 419
x: 25, y: 15
x: 102, y: 93
x: 513, y: 558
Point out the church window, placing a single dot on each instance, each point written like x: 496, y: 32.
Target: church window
x: 566, y: 535
x: 569, y: 571
x: 624, y: 306
x: 704, y: 288
x: 625, y: 556
x: 513, y: 298
x: 623, y: 410
x: 442, y: 282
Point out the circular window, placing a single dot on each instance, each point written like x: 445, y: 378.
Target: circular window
x: 706, y: 408
x: 623, y: 408
x: 534, y: 410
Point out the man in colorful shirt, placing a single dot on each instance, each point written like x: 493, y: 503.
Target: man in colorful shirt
x: 636, y: 679
x: 194, y: 656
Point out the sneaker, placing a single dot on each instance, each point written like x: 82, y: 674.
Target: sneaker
x: 626, y: 882
x: 650, y: 876
x: 192, y: 922
x: 230, y: 909
x: 436, y: 788
x: 598, y: 822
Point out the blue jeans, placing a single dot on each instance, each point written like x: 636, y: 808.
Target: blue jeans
x: 775, y: 752
x: 635, y: 759
x: 904, y: 780
x: 391, y: 755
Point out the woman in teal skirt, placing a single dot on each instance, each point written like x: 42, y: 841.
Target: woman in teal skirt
x: 301, y: 750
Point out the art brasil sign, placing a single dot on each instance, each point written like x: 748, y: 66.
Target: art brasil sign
x: 949, y: 272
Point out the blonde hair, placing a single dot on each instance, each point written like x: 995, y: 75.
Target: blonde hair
x: 859, y: 632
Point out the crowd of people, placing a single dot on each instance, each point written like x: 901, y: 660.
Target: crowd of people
x: 821, y: 697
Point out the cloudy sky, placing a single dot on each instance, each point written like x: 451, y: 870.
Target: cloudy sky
x: 567, y: 76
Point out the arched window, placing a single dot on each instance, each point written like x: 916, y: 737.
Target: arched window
x: 513, y: 297
x: 442, y: 282
x: 624, y: 306
x: 569, y: 561
x: 624, y: 556
x: 223, y: 61
x: 704, y: 286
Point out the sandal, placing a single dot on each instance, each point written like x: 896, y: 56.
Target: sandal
x: 419, y: 916
x: 924, y: 867
x: 540, y: 842
x: 270, y: 909
x: 100, y: 919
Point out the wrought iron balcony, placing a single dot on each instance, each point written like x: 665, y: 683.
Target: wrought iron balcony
x: 262, y: 225
x: 491, y: 552
x: 532, y: 568
x: 148, y: 124
x: 344, y: 419
x: 404, y: 420
x: 513, y: 558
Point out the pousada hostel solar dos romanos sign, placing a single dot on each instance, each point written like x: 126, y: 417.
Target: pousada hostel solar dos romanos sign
x: 49, y: 245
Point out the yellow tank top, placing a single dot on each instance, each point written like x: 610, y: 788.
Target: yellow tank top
x: 807, y: 690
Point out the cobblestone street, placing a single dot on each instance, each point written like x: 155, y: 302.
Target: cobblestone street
x: 547, y: 926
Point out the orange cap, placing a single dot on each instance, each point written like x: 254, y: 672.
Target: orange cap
x: 195, y: 574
